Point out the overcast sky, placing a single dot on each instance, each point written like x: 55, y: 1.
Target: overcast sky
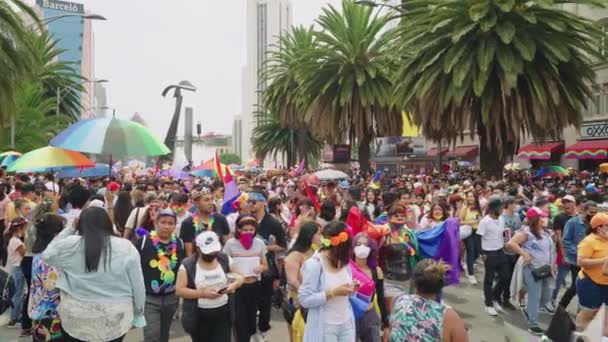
x: 146, y: 45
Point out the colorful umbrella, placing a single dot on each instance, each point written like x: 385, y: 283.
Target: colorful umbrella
x: 552, y: 171
x: 8, y: 158
x: 50, y: 159
x: 175, y: 174
x: 117, y: 138
x: 331, y: 175
x: 99, y: 170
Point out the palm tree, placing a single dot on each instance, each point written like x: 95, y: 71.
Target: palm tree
x: 55, y: 74
x: 501, y: 69
x: 276, y: 139
x: 34, y: 127
x: 13, y: 51
x: 337, y: 81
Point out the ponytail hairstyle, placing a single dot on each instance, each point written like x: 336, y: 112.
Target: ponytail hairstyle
x: 429, y: 276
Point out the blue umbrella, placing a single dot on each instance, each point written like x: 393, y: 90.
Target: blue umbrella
x: 99, y: 170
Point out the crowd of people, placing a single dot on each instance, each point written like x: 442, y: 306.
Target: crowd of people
x: 88, y: 260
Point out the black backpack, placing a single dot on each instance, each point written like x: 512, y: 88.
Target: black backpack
x: 7, y: 286
x: 190, y: 316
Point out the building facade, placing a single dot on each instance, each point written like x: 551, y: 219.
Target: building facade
x: 237, y: 135
x: 267, y: 21
x: 75, y: 36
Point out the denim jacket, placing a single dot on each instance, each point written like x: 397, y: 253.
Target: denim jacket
x: 312, y: 296
x: 574, y: 232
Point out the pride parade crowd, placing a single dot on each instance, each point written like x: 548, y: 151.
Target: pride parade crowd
x: 363, y: 259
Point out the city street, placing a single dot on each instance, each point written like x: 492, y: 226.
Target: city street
x: 466, y: 299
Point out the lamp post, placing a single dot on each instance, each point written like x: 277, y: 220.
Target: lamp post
x: 59, y: 90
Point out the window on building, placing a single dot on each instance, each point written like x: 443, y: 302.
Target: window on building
x: 597, y: 105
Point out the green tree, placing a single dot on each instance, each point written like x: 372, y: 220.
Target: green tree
x: 33, y: 127
x: 13, y: 51
x: 337, y: 82
x: 499, y: 69
x: 230, y: 158
x: 273, y: 138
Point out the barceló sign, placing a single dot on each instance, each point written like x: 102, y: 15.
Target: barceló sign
x: 594, y: 130
x: 61, y: 6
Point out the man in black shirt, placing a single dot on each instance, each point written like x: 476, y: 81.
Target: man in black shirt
x: 569, y: 205
x: 203, y: 219
x: 161, y: 255
x: 272, y: 233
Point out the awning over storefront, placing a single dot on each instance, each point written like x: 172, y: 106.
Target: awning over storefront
x: 465, y: 151
x: 434, y: 152
x: 588, y: 149
x: 540, y: 151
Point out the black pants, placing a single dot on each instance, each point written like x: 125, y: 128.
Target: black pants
x: 496, y: 264
x: 506, y: 293
x: 68, y: 338
x: 214, y: 325
x: 26, y: 267
x: 246, y: 305
x: 571, y: 291
x: 265, y: 303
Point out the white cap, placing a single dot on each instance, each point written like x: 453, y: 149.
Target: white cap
x: 568, y: 198
x: 466, y: 183
x: 97, y: 204
x: 208, y: 242
x: 417, y: 185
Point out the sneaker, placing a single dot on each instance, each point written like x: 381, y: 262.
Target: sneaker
x: 549, y: 308
x: 536, y: 331
x: 472, y: 279
x: 13, y: 324
x: 491, y: 311
x: 497, y: 307
x: 507, y: 305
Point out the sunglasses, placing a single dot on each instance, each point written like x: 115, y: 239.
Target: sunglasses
x: 252, y: 201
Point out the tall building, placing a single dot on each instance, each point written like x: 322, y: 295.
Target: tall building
x: 237, y: 135
x: 100, y: 102
x: 267, y: 20
x: 75, y: 36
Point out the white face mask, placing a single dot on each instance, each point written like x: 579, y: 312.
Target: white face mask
x: 362, y: 252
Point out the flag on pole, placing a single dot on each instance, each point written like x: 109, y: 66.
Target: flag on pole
x: 312, y: 196
x: 231, y: 193
x: 218, y: 167
x: 375, y: 184
x: 300, y: 168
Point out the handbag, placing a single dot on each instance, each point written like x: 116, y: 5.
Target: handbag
x: 465, y: 231
x: 542, y: 272
x: 561, y: 327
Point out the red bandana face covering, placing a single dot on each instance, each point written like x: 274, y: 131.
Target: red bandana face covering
x: 247, y: 239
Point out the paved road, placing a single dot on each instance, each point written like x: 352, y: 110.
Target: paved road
x: 466, y: 299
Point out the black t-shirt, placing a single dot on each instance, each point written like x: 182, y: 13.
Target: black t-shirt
x: 155, y: 286
x: 220, y: 227
x: 271, y: 226
x: 559, y: 222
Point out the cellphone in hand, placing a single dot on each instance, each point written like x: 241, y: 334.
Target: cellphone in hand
x: 222, y: 290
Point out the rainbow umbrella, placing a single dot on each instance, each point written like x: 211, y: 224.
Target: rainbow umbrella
x: 552, y: 171
x: 7, y: 158
x: 117, y: 138
x: 99, y: 170
x: 50, y: 159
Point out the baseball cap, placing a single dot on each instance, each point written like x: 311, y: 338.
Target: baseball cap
x: 113, y: 186
x: 568, y: 198
x: 97, y: 204
x: 208, y: 242
x: 257, y: 197
x: 536, y: 212
x: 167, y: 212
x: 598, y: 220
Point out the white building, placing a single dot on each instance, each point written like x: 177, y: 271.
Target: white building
x: 267, y: 20
x: 237, y: 135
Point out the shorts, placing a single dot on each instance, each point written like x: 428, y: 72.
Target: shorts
x: 393, y: 288
x: 591, y: 296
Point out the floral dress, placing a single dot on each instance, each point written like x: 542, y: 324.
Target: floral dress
x: 416, y: 319
x: 44, y: 300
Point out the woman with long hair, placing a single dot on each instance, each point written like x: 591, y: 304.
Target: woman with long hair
x: 534, y: 246
x: 470, y: 215
x: 326, y: 284
x: 101, y: 283
x: 300, y: 251
x: 16, y: 251
x: 439, y: 212
x: 365, y: 261
x: 420, y: 316
x: 149, y: 220
x: 44, y: 294
x: 247, y: 250
x: 122, y: 210
x: 327, y: 213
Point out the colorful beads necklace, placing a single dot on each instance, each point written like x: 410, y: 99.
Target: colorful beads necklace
x: 166, y: 264
x: 198, y: 224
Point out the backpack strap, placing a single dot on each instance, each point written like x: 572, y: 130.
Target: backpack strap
x: 224, y: 262
x: 190, y: 266
x: 143, y: 243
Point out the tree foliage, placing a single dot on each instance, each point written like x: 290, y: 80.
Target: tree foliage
x: 502, y: 69
x: 230, y: 158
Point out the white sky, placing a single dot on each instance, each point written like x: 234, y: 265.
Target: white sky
x: 146, y: 45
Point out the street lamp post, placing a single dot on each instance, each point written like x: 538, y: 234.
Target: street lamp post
x: 60, y: 90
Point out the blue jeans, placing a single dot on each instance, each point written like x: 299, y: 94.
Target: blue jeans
x: 339, y: 333
x: 539, y: 294
x: 562, y: 272
x: 471, y: 247
x: 19, y: 279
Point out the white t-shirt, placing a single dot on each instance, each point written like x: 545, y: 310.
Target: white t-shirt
x: 211, y: 279
x: 140, y: 213
x: 14, y: 258
x: 52, y: 186
x: 336, y: 307
x: 491, y: 231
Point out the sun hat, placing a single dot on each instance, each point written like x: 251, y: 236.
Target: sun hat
x: 208, y: 242
x: 598, y: 220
